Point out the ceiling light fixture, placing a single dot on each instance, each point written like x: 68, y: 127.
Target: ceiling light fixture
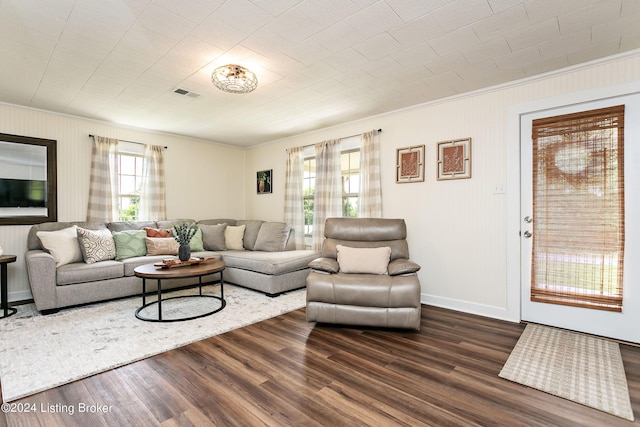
x: 234, y: 79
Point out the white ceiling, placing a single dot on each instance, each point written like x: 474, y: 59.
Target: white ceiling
x: 318, y: 62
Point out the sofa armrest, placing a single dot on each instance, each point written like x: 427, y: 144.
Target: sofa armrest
x: 402, y: 266
x: 41, y: 270
x: 327, y: 265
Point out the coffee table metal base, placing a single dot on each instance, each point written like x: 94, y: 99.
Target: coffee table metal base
x: 160, y: 300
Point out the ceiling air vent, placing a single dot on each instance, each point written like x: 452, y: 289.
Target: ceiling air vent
x: 185, y: 92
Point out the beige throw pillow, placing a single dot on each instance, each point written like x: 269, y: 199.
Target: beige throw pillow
x: 161, y: 245
x: 62, y: 245
x: 363, y: 260
x: 96, y: 245
x: 233, y: 236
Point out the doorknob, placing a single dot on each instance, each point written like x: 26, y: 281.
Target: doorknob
x: 527, y: 234
x: 528, y: 219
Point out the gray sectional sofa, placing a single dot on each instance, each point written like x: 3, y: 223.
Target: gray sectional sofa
x: 265, y: 260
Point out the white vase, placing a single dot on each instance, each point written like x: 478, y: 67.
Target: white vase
x: 0, y: 250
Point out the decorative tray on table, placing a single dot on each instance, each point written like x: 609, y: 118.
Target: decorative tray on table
x: 171, y: 263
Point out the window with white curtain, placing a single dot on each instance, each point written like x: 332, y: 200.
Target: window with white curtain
x: 350, y: 168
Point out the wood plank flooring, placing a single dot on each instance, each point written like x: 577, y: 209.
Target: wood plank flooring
x: 287, y: 372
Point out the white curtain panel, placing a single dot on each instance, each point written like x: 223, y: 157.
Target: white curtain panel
x: 153, y: 205
x: 103, y: 185
x: 293, y: 194
x: 328, y: 197
x: 370, y: 197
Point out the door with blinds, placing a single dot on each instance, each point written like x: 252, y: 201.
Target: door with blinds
x: 579, y: 206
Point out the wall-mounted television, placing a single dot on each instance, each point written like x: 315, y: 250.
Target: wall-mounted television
x: 22, y: 193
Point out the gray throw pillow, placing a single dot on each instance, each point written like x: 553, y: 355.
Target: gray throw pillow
x: 250, y: 232
x: 213, y: 237
x: 272, y: 237
x: 129, y: 243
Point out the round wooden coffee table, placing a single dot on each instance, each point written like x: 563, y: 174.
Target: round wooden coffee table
x: 150, y: 271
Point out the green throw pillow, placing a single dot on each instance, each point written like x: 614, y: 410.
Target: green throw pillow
x: 196, y: 242
x: 129, y: 243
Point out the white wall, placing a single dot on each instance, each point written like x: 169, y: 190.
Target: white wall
x: 203, y: 179
x: 457, y: 229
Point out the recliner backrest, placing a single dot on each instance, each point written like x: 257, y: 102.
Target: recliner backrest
x: 366, y: 233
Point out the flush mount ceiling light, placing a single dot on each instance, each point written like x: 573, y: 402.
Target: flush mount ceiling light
x: 234, y: 79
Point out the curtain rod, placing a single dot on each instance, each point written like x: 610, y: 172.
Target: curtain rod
x: 344, y: 137
x: 131, y: 142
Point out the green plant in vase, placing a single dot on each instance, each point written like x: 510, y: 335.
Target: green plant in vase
x: 183, y: 233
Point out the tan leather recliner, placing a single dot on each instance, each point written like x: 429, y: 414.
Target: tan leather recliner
x: 364, y: 299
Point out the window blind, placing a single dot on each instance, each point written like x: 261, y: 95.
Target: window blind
x: 578, y: 209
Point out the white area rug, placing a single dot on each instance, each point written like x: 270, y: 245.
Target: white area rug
x: 571, y: 365
x: 40, y: 352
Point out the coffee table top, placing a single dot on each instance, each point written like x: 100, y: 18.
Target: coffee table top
x: 150, y: 271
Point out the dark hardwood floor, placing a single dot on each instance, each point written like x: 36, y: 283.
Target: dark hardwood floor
x: 287, y: 372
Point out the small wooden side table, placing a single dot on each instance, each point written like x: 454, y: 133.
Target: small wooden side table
x: 4, y: 298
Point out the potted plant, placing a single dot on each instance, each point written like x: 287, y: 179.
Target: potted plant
x: 183, y: 233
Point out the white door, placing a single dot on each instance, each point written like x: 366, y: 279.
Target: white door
x: 623, y: 325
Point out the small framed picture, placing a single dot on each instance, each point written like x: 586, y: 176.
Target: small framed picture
x: 263, y: 181
x: 454, y: 159
x: 410, y: 164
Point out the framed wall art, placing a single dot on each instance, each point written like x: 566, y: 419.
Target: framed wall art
x: 454, y: 159
x: 263, y: 181
x: 410, y: 164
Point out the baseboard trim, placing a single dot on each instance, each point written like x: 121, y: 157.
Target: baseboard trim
x: 494, y: 312
x: 20, y: 296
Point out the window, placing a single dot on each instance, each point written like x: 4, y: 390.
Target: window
x: 350, y: 166
x: 130, y: 168
x: 578, y: 205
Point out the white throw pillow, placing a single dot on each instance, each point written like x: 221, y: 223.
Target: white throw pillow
x: 62, y: 245
x: 363, y: 260
x: 233, y: 236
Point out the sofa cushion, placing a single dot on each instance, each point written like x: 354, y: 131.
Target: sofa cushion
x: 170, y: 223
x: 233, y: 237
x: 62, y: 245
x: 129, y: 225
x: 129, y: 243
x: 250, y: 232
x: 81, y: 272
x: 216, y: 221
x: 363, y: 260
x: 272, y: 237
x: 272, y: 263
x: 213, y: 237
x: 96, y: 245
x: 161, y: 245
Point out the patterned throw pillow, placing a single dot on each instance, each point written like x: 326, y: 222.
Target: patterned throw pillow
x: 96, y: 245
x: 157, y: 232
x: 161, y: 246
x: 129, y: 243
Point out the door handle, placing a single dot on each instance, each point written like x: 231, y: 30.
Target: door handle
x: 527, y: 234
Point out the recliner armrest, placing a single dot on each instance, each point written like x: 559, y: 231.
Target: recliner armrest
x: 327, y: 265
x: 402, y: 266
